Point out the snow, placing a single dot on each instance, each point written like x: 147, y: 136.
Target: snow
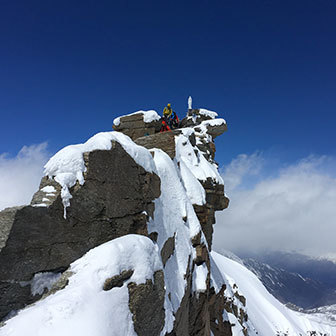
x: 43, y: 280
x: 199, y: 278
x: 148, y: 116
x: 214, y: 122
x: 266, y: 315
x: 40, y: 205
x: 49, y: 189
x: 208, y: 113
x: 67, y: 166
x: 174, y: 216
x: 83, y: 307
x: 194, y: 189
x: 197, y: 164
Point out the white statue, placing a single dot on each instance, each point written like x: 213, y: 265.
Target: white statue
x: 189, y: 103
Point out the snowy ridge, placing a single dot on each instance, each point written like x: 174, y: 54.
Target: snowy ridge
x: 179, y: 249
x: 266, y: 315
x: 170, y: 208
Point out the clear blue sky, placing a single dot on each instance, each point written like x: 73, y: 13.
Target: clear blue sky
x: 68, y: 68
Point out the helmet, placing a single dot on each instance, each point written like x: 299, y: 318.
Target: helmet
x: 168, y: 104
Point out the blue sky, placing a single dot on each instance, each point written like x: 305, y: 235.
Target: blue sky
x: 68, y: 68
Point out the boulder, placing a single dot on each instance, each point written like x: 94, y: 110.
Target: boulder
x: 114, y: 201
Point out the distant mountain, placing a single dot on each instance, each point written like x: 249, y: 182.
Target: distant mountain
x: 294, y: 278
x: 326, y: 311
x: 266, y: 316
x: 291, y: 287
x: 319, y: 269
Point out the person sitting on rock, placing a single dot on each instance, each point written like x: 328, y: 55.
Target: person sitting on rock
x: 170, y: 117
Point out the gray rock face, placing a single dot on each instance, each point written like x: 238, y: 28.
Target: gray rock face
x: 146, y: 302
x: 164, y: 141
x: 110, y: 204
x: 117, y: 280
x: 135, y: 127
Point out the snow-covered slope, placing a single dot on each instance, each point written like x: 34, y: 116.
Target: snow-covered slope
x: 162, y: 280
x: 266, y: 315
x: 83, y: 307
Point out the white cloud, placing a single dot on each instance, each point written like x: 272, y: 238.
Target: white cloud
x: 294, y: 209
x: 20, y: 176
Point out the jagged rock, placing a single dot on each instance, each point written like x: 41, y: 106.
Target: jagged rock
x: 194, y: 117
x: 146, y: 302
x: 117, y: 280
x: 201, y: 254
x: 181, y: 323
x: 47, y: 197
x: 215, y: 196
x: 206, y: 217
x: 117, y: 199
x: 216, y: 130
x: 196, y: 240
x: 167, y: 249
x: 199, y: 315
x: 61, y: 283
x: 218, y: 325
x: 7, y: 217
x: 113, y: 202
x: 241, y: 298
x: 164, y: 141
x: 134, y: 126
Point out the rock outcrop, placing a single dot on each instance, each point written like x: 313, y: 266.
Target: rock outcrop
x: 115, y: 200
x: 138, y: 124
x: 119, y: 197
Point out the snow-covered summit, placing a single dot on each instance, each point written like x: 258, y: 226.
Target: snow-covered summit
x: 133, y: 255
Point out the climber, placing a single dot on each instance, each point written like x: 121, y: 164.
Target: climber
x: 170, y: 119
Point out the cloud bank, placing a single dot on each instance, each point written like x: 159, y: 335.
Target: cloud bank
x: 20, y: 175
x: 290, y: 209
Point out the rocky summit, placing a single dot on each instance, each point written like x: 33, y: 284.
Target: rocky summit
x: 116, y: 200
x: 118, y: 240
